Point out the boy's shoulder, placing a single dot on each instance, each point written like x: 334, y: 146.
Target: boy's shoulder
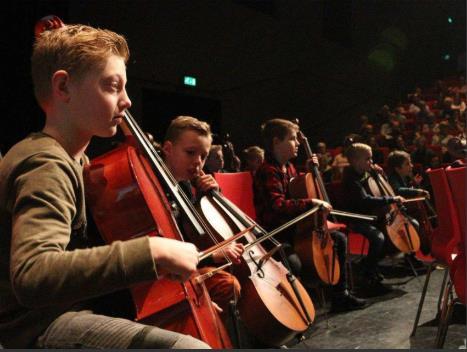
x: 36, y: 145
x: 268, y: 167
x: 349, y: 175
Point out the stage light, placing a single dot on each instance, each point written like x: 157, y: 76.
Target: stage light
x: 446, y: 57
x: 450, y: 20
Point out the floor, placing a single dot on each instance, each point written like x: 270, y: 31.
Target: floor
x: 387, y: 321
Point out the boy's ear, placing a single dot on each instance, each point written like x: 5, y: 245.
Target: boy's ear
x: 167, y: 147
x: 275, y: 140
x: 60, y: 85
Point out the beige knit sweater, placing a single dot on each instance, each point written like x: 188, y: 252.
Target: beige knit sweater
x: 46, y: 267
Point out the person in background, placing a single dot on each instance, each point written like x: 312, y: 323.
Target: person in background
x: 215, y: 160
x: 421, y: 154
x: 407, y: 185
x: 253, y: 157
x: 274, y: 205
x: 340, y: 161
x: 378, y: 155
x: 325, y: 161
x: 360, y: 200
x: 185, y: 149
x: 457, y: 149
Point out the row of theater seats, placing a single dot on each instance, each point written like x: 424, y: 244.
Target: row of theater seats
x: 447, y: 243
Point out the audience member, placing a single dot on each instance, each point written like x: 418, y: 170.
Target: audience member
x: 215, y: 160
x: 253, y: 157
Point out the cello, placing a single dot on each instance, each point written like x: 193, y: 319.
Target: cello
x: 123, y: 185
x: 283, y: 308
x: 397, y: 227
x: 127, y: 167
x: 317, y: 250
x: 423, y: 211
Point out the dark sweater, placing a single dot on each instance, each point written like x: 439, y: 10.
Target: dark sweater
x: 358, y: 198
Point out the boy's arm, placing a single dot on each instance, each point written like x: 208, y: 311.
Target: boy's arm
x: 42, y: 270
x: 402, y: 190
x: 358, y: 195
x: 280, y: 204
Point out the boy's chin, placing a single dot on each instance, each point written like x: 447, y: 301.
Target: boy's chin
x: 109, y: 133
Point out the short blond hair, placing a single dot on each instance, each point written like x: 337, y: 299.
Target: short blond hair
x: 215, y: 148
x: 278, y: 128
x: 254, y: 152
x: 356, y: 149
x: 187, y: 123
x: 76, y: 49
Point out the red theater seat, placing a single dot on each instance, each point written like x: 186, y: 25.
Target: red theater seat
x: 238, y: 188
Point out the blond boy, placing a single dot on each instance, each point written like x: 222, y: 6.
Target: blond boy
x: 48, y: 272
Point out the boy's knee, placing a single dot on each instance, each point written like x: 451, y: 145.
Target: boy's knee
x: 153, y: 337
x: 380, y: 237
x: 189, y: 342
x: 339, y: 238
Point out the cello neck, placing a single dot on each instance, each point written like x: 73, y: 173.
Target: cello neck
x: 314, y: 168
x: 132, y: 130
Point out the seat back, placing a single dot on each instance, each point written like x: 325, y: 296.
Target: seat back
x: 238, y: 188
x: 457, y: 271
x: 456, y: 179
x: 447, y: 235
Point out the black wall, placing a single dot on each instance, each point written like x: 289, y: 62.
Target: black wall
x: 325, y: 62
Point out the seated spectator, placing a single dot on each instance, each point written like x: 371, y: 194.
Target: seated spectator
x: 366, y: 127
x: 399, y: 113
x: 422, y: 154
x: 325, y: 161
x: 434, y: 162
x: 400, y: 144
x: 215, y: 160
x: 446, y: 109
x: 340, y: 160
x: 390, y: 130
x: 378, y: 156
x: 414, y: 105
x: 425, y: 115
x: 442, y: 137
x: 253, y: 157
x: 383, y: 115
x: 457, y: 152
x: 458, y: 103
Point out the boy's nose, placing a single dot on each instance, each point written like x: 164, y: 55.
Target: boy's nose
x: 125, y: 102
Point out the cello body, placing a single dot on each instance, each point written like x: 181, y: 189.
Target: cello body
x: 312, y: 241
x: 402, y: 234
x: 268, y: 305
x: 420, y: 211
x: 127, y: 201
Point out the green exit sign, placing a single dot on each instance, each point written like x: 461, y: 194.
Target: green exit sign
x: 189, y: 81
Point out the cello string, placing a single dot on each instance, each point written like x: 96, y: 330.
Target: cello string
x: 235, y: 211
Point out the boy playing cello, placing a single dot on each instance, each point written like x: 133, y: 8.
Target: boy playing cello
x: 185, y: 150
x: 360, y: 200
x: 48, y: 272
x: 274, y: 206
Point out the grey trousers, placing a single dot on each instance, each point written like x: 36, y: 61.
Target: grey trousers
x: 84, y: 329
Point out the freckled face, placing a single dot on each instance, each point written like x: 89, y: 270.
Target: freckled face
x: 406, y: 168
x: 186, y: 156
x: 363, y: 161
x: 97, y: 100
x: 287, y: 148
